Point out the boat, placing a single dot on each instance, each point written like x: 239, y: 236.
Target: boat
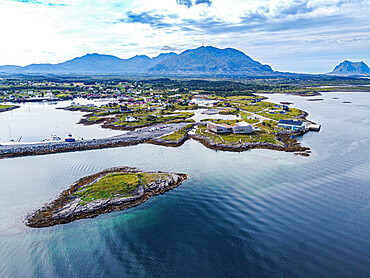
x: 70, y: 138
x: 53, y: 138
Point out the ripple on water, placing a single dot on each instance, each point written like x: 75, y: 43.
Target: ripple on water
x: 259, y: 213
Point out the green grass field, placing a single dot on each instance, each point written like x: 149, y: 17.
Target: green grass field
x: 94, y: 119
x: 255, y: 137
x: 117, y: 184
x: 3, y: 106
x: 293, y: 113
x: 146, y: 119
x: 178, y: 134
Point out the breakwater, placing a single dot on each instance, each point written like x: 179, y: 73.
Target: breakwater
x: 128, y: 139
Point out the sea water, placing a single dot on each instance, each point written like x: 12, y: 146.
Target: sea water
x: 259, y: 213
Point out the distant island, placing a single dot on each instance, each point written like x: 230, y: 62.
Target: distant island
x: 113, y: 189
x: 351, y: 68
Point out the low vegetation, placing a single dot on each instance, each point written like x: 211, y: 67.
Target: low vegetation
x: 262, y: 136
x: 143, y: 119
x: 275, y: 114
x: 95, y: 119
x: 3, y: 106
x: 115, y: 185
x: 177, y: 135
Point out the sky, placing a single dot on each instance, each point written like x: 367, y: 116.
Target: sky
x: 308, y: 36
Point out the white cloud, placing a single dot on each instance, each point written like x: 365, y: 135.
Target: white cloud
x: 271, y: 31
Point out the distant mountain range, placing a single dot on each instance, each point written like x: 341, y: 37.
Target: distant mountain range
x: 93, y: 64
x: 351, y: 68
x: 211, y: 60
x: 200, y: 61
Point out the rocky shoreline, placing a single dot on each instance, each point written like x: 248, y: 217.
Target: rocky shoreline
x: 67, y: 207
x: 169, y: 143
x: 289, y: 145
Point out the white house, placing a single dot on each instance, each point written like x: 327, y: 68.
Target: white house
x: 242, y: 127
x: 130, y: 119
x: 219, y: 128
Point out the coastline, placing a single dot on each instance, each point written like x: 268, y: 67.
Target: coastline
x: 141, y: 134
x: 108, y: 122
x: 9, y: 108
x: 288, y: 144
x: 66, y: 207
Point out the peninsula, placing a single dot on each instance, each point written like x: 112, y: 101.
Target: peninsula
x: 229, y: 123
x: 4, y: 107
x: 113, y: 189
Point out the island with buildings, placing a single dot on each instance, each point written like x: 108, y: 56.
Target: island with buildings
x: 234, y: 123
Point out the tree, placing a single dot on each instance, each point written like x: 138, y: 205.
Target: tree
x: 151, y: 118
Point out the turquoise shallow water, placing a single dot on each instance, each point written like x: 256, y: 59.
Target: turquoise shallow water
x: 254, y: 214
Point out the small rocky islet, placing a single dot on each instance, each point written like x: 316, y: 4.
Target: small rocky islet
x: 113, y: 189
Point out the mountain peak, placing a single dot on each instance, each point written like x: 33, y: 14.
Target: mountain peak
x: 92, y: 55
x: 351, y: 68
x: 210, y: 60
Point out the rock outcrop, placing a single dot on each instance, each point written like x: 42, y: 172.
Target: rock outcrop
x: 68, y: 207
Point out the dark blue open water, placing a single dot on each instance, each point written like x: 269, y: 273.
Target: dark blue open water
x: 254, y: 214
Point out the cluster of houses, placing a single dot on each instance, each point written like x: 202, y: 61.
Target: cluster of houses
x: 284, y: 109
x: 254, y: 101
x: 238, y: 128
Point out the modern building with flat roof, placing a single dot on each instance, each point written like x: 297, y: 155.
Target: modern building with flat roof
x: 292, y: 124
x: 219, y: 128
x: 241, y: 127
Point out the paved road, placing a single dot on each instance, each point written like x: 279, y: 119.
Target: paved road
x: 261, y: 118
x: 137, y: 136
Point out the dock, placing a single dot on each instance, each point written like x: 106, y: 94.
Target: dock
x: 314, y: 127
